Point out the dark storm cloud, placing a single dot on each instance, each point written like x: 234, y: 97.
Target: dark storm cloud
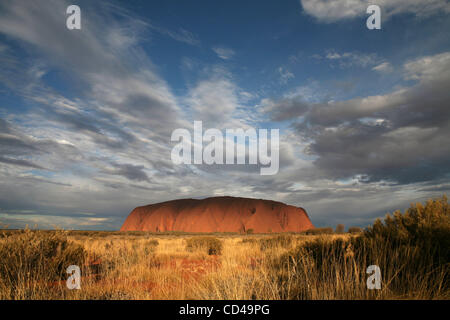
x: 437, y: 187
x: 403, y: 136
x: 286, y: 109
x: 267, y: 184
x: 129, y: 171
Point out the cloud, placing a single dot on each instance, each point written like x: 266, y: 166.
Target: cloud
x: 116, y: 128
x: 286, y: 108
x: 331, y: 11
x: 18, y: 149
x: 121, y: 96
x: 384, y: 67
x: 285, y: 75
x: 94, y: 132
x: 20, y: 162
x: 215, y: 100
x: 328, y: 11
x: 428, y: 69
x: 129, y: 171
x: 109, y: 142
x: 20, y: 219
x: 348, y: 59
x: 402, y: 136
x: 182, y: 35
x: 224, y: 53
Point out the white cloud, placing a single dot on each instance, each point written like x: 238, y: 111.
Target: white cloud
x: 224, y: 53
x: 213, y: 101
x: 285, y: 75
x: 384, y: 67
x: 182, y: 35
x: 335, y: 10
x: 427, y: 68
x: 246, y: 96
x: 349, y: 59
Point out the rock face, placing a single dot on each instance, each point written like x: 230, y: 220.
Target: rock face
x: 218, y: 214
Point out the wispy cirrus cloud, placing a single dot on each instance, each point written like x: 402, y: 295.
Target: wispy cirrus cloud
x: 384, y: 67
x: 348, y: 59
x: 285, y: 75
x: 181, y: 35
x: 224, y: 52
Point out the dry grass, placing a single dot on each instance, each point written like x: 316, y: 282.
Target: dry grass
x: 163, y: 267
x: 294, y: 266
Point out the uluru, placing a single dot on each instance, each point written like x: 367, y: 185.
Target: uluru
x: 218, y: 214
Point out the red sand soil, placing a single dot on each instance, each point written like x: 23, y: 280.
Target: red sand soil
x: 218, y: 214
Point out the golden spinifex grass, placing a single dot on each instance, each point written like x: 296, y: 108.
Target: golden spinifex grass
x: 29, y: 260
x: 411, y: 249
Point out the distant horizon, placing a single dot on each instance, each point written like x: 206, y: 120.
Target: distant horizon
x: 309, y: 215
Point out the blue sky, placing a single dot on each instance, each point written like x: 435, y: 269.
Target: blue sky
x: 86, y: 115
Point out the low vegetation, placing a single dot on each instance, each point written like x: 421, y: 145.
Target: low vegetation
x: 410, y: 248
x: 355, y: 230
x: 31, y: 259
x: 212, y: 246
x: 283, y: 241
x: 340, y: 228
x: 316, y: 231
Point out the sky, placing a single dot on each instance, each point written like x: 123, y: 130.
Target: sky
x: 86, y: 116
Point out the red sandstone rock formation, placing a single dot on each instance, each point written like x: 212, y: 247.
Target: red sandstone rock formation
x: 218, y: 214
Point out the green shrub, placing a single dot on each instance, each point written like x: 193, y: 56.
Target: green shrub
x: 30, y: 257
x: 250, y: 231
x: 212, y: 246
x: 326, y: 230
